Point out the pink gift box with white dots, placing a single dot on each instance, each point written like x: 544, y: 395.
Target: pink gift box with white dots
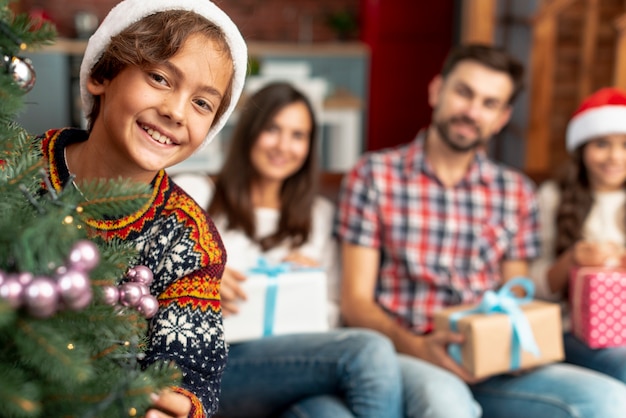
x: 598, y: 306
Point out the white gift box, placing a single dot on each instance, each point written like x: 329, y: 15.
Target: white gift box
x: 285, y: 303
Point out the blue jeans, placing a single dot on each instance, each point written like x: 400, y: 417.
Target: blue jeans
x: 552, y: 391
x: 611, y: 361
x: 341, y: 373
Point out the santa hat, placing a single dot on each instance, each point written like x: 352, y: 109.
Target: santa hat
x: 602, y: 113
x: 130, y: 11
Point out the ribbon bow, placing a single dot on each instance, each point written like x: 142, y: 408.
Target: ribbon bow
x: 503, y: 301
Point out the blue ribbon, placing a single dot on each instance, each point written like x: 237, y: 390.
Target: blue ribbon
x: 503, y: 301
x: 272, y: 272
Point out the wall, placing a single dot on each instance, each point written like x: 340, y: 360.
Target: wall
x: 267, y: 20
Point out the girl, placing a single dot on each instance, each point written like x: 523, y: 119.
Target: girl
x: 265, y: 203
x: 583, y: 214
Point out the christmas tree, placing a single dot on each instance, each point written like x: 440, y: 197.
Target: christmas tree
x: 73, y: 315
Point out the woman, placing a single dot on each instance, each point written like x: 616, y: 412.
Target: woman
x: 265, y: 203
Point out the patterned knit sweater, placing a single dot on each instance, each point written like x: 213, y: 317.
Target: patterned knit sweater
x: 180, y: 244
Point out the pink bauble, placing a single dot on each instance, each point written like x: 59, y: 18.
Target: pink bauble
x: 148, y: 306
x: 41, y: 297
x: 110, y: 294
x: 25, y: 277
x: 12, y: 291
x: 81, y: 302
x: 130, y: 293
x: 84, y: 256
x: 73, y: 286
x: 140, y: 274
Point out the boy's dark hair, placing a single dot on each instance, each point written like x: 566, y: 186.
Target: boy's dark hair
x: 232, y: 197
x: 153, y: 40
x: 493, y: 57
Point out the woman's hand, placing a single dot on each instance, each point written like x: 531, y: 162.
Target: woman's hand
x: 231, y: 292
x: 597, y: 254
x: 170, y: 404
x: 301, y: 260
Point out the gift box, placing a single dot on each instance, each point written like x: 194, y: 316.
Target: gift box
x: 281, y: 300
x: 597, y: 299
x: 504, y: 333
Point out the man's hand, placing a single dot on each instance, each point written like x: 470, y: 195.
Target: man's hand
x: 231, y: 292
x: 434, y: 349
x: 168, y: 404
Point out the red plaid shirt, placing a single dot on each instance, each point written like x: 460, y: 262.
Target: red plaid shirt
x: 439, y: 246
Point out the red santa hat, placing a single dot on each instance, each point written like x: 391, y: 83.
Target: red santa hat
x: 602, y: 113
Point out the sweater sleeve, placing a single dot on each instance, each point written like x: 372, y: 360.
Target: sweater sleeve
x: 548, y: 200
x: 187, y: 261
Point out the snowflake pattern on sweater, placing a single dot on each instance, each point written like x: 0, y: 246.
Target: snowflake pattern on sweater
x: 178, y: 241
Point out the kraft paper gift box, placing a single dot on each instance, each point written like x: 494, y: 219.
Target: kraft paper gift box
x: 493, y: 345
x: 597, y: 299
x: 281, y: 300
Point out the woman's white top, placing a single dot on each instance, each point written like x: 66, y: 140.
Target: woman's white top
x: 604, y: 223
x: 243, y: 253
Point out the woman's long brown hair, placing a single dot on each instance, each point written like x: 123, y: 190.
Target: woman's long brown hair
x: 233, y: 185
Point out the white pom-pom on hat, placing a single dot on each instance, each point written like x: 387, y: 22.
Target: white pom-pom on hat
x: 128, y: 12
x: 602, y: 113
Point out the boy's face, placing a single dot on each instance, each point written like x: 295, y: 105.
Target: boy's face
x: 153, y: 118
x: 470, y: 105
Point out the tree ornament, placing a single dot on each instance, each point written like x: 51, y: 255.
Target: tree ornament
x: 21, y: 71
x: 148, y: 306
x: 84, y: 256
x: 41, y: 297
x: 130, y: 293
x: 75, y: 289
x: 134, y: 293
x: 110, y: 294
x: 11, y: 291
x: 140, y: 274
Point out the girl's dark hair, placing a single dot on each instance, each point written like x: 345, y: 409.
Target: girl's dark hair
x: 233, y: 185
x: 575, y: 202
x: 153, y: 40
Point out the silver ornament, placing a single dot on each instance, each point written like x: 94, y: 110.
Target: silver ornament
x: 21, y: 70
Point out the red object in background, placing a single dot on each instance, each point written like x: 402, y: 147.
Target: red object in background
x: 408, y: 40
x: 38, y: 17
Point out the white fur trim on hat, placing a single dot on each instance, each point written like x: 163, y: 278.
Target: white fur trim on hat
x: 592, y: 123
x: 130, y: 11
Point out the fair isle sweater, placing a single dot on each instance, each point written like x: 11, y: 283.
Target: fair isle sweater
x: 180, y: 244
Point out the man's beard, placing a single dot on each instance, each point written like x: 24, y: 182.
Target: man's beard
x: 443, y: 128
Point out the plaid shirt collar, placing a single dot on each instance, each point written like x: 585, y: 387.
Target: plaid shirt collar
x: 482, y: 170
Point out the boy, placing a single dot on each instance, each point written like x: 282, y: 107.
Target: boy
x: 158, y: 80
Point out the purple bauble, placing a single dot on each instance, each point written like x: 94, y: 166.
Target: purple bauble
x: 81, y: 302
x: 130, y: 293
x: 12, y: 291
x: 110, y: 294
x: 73, y: 285
x: 140, y: 274
x: 25, y: 278
x: 84, y: 256
x: 148, y: 306
x: 41, y: 297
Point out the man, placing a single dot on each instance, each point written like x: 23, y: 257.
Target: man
x: 435, y: 223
